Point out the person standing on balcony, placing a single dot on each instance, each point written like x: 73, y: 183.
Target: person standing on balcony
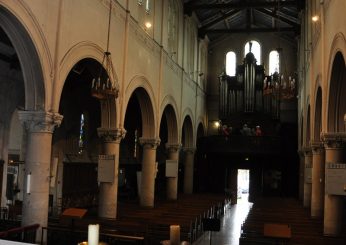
x: 246, y: 130
x: 258, y: 131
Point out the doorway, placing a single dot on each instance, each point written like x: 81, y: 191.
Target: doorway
x: 243, y: 184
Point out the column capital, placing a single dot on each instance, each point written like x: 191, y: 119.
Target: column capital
x: 111, y: 134
x: 40, y: 121
x: 173, y: 147
x: 333, y: 140
x: 317, y: 147
x: 300, y: 153
x: 149, y: 143
x: 307, y: 150
x: 189, y: 150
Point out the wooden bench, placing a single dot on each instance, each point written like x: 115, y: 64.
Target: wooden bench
x: 279, y: 232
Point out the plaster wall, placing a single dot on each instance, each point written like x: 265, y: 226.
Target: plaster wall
x: 324, y: 39
x: 64, y: 32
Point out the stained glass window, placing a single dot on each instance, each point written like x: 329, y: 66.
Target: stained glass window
x: 81, y: 134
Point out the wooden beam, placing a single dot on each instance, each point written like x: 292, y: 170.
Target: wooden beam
x: 221, y: 18
x: 275, y: 16
x: 246, y: 30
x: 241, y: 5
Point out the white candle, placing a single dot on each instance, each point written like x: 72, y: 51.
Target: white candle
x: 174, y: 234
x: 93, y: 234
x: 28, y: 183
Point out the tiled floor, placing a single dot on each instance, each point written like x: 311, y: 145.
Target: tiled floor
x: 230, y: 226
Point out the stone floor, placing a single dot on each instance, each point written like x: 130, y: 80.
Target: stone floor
x: 230, y: 225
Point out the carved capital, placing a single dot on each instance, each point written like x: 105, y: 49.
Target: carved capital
x: 190, y: 150
x: 111, y: 134
x: 300, y: 153
x: 173, y: 147
x: 317, y: 147
x: 40, y: 121
x: 333, y: 140
x: 149, y: 143
x: 307, y: 151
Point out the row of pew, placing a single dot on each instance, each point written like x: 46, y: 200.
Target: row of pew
x: 284, y: 212
x: 140, y: 225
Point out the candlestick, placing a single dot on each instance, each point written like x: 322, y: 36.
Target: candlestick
x: 174, y: 235
x: 93, y: 234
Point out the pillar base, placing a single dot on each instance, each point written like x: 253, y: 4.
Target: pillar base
x: 333, y: 214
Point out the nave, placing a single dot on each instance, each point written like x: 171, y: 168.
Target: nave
x: 231, y: 224
x: 243, y: 224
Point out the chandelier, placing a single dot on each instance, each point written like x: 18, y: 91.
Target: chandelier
x: 102, y: 86
x: 277, y: 86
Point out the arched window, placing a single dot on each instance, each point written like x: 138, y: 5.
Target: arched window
x: 274, y: 62
x: 255, y: 49
x: 231, y: 61
x: 172, y: 26
x: 192, y: 46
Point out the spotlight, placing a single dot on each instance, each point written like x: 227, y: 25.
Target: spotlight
x: 148, y: 25
x: 314, y: 18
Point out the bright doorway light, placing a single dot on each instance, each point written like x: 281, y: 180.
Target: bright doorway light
x: 243, y: 184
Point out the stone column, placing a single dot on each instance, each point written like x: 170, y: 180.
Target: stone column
x: 317, y: 179
x: 172, y: 182
x: 148, y: 171
x: 188, y: 170
x: 333, y: 204
x: 108, y: 195
x: 307, y: 177
x: 39, y: 126
x: 301, y: 174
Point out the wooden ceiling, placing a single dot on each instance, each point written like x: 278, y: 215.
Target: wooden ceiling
x: 219, y: 18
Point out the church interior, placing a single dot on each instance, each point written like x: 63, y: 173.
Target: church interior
x: 148, y: 121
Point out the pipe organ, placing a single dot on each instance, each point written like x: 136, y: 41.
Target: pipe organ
x: 243, y: 93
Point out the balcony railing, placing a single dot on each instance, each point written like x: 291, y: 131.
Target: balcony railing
x: 243, y: 144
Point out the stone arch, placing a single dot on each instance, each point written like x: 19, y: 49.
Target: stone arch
x: 77, y: 53
x: 145, y: 95
x: 301, y: 131
x: 336, y: 106
x: 308, y: 127
x: 170, y: 112
x: 338, y: 46
x: 187, y: 132
x: 29, y: 58
x: 200, y: 130
x: 318, y: 115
